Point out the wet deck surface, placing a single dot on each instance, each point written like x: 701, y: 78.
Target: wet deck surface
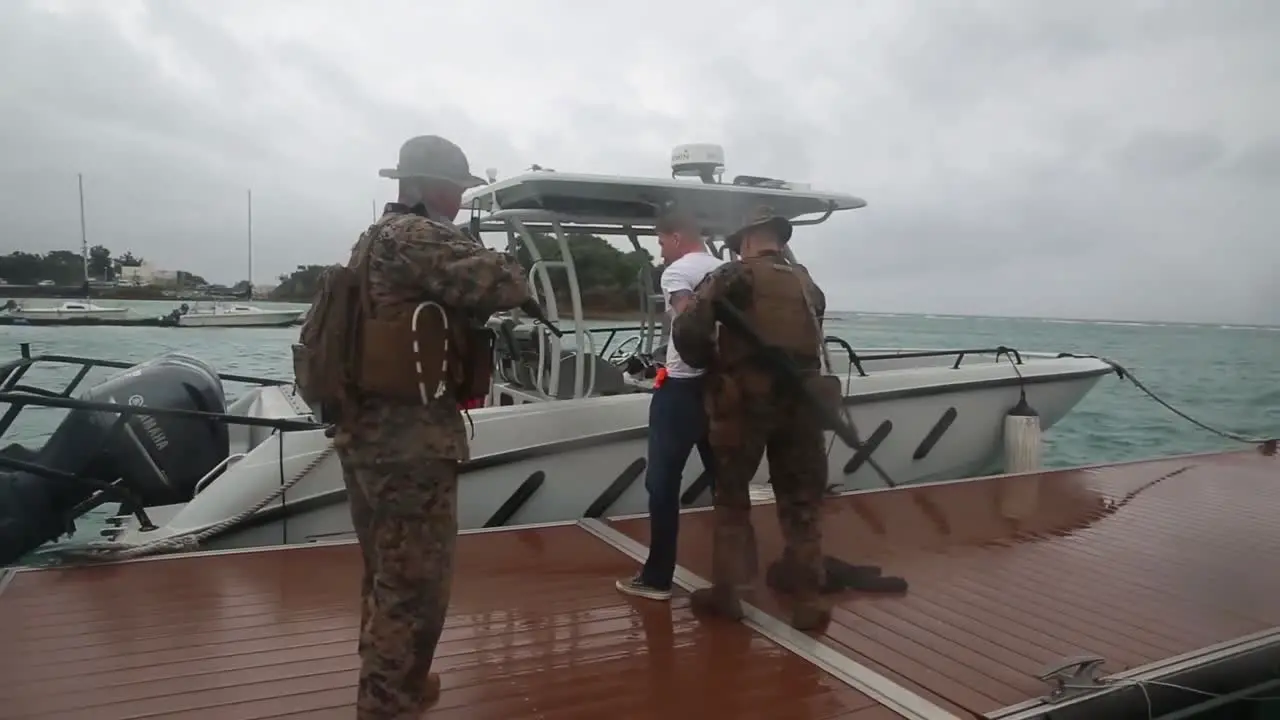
x: 1135, y: 563
x: 536, y: 630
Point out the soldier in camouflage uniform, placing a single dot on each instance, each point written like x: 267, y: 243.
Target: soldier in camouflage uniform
x: 400, y: 461
x: 750, y: 419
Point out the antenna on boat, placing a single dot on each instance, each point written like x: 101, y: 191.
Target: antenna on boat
x: 491, y: 174
x: 84, y: 237
x: 702, y: 160
x: 248, y: 199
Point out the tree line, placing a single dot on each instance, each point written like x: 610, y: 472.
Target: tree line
x: 608, y: 278
x: 65, y: 267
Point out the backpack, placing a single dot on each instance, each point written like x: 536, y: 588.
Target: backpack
x: 326, y: 356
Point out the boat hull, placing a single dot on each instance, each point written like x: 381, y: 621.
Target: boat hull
x: 563, y: 460
x: 266, y: 318
x: 56, y: 314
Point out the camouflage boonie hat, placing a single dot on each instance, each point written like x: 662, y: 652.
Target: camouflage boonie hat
x: 763, y: 216
x: 431, y: 156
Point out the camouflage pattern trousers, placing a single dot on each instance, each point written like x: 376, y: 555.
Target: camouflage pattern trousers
x: 749, y: 422
x: 405, y: 514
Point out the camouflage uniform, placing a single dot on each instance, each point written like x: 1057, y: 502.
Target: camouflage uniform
x: 749, y: 420
x: 400, y: 464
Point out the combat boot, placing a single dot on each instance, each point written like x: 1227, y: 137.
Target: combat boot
x: 431, y: 694
x: 730, y: 547
x: 808, y: 613
x: 781, y: 574
x: 803, y: 581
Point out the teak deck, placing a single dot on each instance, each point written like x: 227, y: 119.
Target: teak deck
x: 1137, y: 563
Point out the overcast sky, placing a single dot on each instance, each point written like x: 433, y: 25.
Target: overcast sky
x: 1084, y: 159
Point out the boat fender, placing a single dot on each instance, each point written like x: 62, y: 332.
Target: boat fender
x: 1023, y: 438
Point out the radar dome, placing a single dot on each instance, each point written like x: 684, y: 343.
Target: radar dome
x: 701, y: 160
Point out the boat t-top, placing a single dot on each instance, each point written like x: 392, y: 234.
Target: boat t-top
x: 563, y: 435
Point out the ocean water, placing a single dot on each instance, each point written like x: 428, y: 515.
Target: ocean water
x: 1225, y: 376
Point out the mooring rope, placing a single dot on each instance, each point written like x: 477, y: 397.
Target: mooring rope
x: 1268, y: 445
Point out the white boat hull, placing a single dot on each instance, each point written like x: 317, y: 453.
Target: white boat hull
x: 556, y: 461
x: 60, y: 314
x: 264, y: 318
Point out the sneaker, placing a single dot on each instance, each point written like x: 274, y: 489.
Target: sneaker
x: 636, y: 587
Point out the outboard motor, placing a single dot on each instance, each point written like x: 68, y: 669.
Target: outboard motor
x: 159, y: 458
x: 177, y: 313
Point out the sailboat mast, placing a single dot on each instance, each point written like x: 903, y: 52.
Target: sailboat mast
x: 84, y: 237
x: 249, y: 230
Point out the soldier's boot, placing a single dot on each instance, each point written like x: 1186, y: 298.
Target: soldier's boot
x: 728, y: 565
x: 808, y: 611
x: 432, y: 693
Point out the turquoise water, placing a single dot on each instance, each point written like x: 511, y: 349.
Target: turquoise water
x: 1226, y: 376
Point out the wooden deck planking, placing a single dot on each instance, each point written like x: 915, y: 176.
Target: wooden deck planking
x: 1134, y: 562
x: 536, y: 629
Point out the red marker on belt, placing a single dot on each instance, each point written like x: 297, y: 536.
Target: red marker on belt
x: 472, y: 404
x: 660, y: 378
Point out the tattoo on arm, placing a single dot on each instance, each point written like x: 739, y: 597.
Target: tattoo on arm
x: 680, y: 300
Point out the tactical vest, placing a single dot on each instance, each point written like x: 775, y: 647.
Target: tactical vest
x: 412, y: 352
x: 781, y: 312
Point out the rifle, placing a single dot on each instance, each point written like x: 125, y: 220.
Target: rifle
x: 534, y: 310
x: 791, y: 377
x: 529, y: 307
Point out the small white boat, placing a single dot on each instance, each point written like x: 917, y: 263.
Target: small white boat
x: 68, y: 310
x: 234, y: 315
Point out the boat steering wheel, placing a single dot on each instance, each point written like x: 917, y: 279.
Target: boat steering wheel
x: 626, y: 350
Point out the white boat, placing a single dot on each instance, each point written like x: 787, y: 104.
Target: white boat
x: 234, y: 315
x: 72, y: 309
x: 564, y: 435
x: 223, y: 314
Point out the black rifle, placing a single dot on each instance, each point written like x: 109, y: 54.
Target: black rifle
x: 529, y: 307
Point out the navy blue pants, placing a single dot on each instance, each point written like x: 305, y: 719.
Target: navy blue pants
x: 677, y: 424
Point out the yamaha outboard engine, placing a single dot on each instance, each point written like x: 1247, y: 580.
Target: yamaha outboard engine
x: 159, y: 458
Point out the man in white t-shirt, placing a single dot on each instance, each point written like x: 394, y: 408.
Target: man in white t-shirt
x: 677, y: 419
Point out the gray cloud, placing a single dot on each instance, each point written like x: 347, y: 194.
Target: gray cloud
x: 1163, y: 155
x: 1259, y: 163
x: 1088, y: 159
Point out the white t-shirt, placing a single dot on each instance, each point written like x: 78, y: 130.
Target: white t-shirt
x: 683, y: 275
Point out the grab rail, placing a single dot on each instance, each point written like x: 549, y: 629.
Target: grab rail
x: 856, y: 360
x: 208, y: 477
